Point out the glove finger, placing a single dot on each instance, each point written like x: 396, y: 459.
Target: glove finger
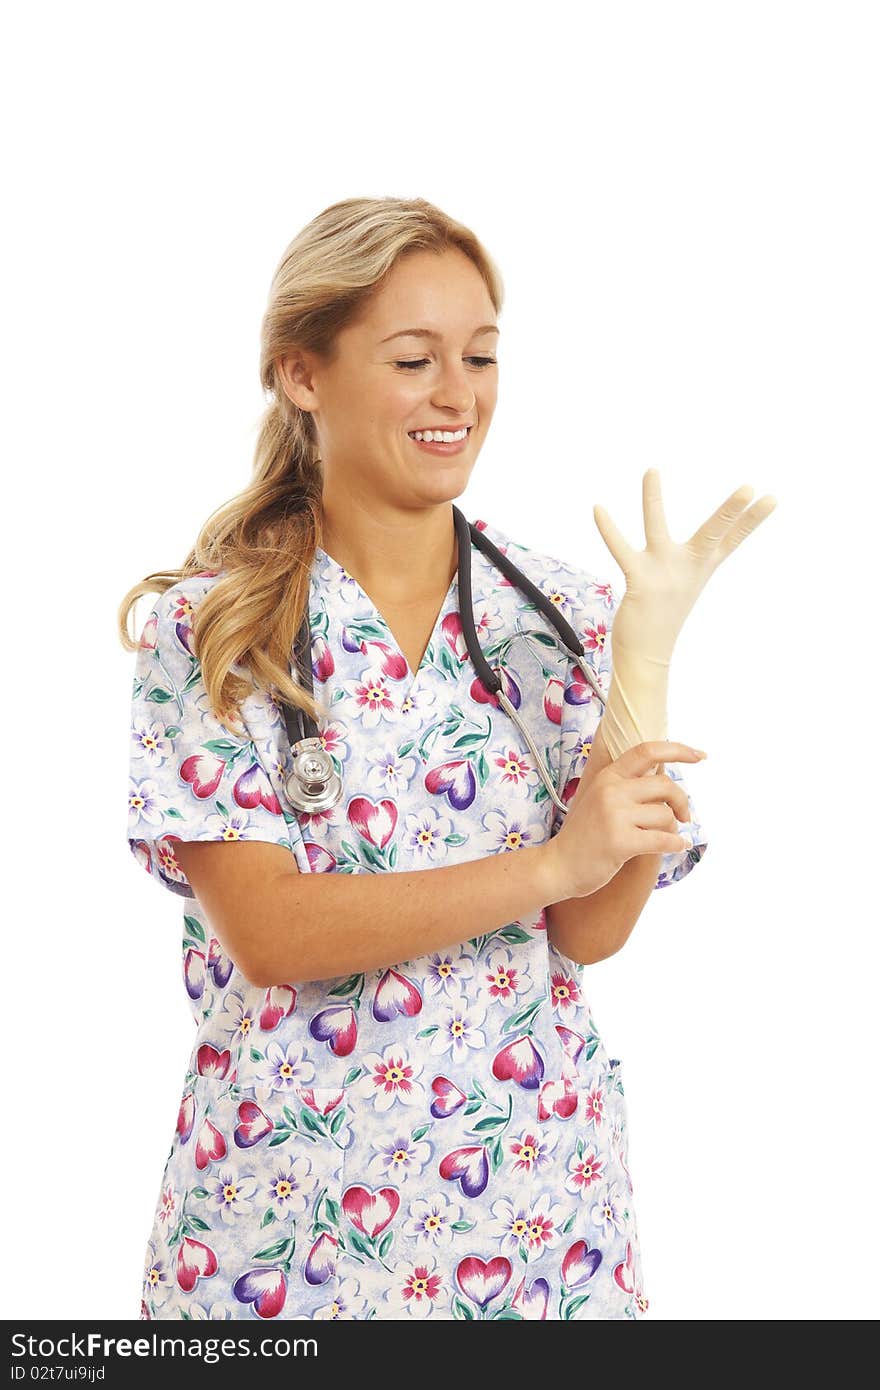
x: 620, y: 549
x: 656, y: 531
x: 711, y: 535
x: 747, y: 524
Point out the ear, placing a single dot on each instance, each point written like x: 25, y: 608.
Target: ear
x: 296, y: 376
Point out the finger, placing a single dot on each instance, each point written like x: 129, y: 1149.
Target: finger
x: 655, y: 791
x: 620, y: 549
x: 664, y: 842
x: 652, y: 816
x: 652, y: 505
x: 747, y: 524
x: 636, y: 761
x: 709, y: 537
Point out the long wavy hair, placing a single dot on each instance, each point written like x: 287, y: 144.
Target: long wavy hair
x: 262, y: 542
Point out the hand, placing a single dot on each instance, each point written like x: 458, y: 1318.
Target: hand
x: 664, y: 580
x: 622, y: 812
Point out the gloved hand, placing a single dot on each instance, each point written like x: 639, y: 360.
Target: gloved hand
x: 662, y: 585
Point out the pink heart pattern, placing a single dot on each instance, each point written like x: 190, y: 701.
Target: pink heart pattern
x: 253, y: 1125
x: 370, y: 1211
x: 469, y: 1167
x: 394, y: 995
x: 195, y: 1261
x: 519, y: 1061
x: 376, y: 821
x: 455, y: 781
x: 210, y: 1145
x: 447, y: 1098
x: 266, y: 1289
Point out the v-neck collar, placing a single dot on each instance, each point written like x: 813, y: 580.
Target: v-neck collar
x: 449, y: 605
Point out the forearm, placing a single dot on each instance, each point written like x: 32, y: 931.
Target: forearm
x: 316, y: 926
x: 592, y: 928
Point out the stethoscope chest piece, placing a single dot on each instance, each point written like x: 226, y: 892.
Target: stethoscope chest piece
x: 313, y: 785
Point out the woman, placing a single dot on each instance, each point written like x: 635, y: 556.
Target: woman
x: 397, y: 1103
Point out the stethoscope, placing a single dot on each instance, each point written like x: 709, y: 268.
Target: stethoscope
x: 314, y: 784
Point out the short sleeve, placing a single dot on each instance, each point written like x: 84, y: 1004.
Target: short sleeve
x: 593, y: 622
x: 190, y: 778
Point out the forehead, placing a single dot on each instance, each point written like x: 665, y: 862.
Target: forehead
x: 443, y: 291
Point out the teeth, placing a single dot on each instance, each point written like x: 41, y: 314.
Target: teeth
x: 438, y: 436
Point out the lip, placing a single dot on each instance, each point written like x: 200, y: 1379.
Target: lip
x: 465, y: 425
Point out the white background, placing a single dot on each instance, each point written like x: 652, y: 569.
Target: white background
x: 683, y: 202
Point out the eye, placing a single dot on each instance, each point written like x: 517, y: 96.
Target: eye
x: 483, y: 362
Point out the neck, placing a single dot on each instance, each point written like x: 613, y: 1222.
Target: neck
x: 409, y: 558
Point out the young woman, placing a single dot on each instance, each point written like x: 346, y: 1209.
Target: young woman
x: 397, y: 1102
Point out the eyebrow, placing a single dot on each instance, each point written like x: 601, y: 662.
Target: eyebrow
x: 429, y: 332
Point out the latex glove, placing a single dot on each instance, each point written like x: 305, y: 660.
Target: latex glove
x: 663, y: 582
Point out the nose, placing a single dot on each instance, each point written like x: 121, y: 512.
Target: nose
x: 454, y: 390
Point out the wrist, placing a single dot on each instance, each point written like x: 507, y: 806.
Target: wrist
x: 636, y: 708
x: 550, y: 872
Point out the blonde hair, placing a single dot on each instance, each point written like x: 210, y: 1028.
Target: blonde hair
x: 264, y: 538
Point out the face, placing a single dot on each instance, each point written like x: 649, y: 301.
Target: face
x: 384, y: 384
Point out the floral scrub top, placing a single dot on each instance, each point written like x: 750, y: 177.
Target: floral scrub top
x: 443, y: 1138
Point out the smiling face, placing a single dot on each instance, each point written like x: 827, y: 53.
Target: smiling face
x: 380, y: 387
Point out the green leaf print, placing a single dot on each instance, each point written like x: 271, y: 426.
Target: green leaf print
x: 372, y: 855
x: 222, y: 747
x: 194, y: 927
x: 338, y: 1121
x: 568, y: 1223
x: 385, y: 1244
x: 428, y: 1032
x: 489, y: 1125
x: 276, y: 1251
x: 522, y: 1018
x: 350, y: 985
x: 572, y: 1307
x: 506, y: 1315
x: 463, y: 1225
x: 200, y: 1192
x: 461, y: 1310
x: 268, y: 1217
x: 197, y: 1223
x: 514, y: 935
x: 159, y: 696
x: 420, y: 1132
